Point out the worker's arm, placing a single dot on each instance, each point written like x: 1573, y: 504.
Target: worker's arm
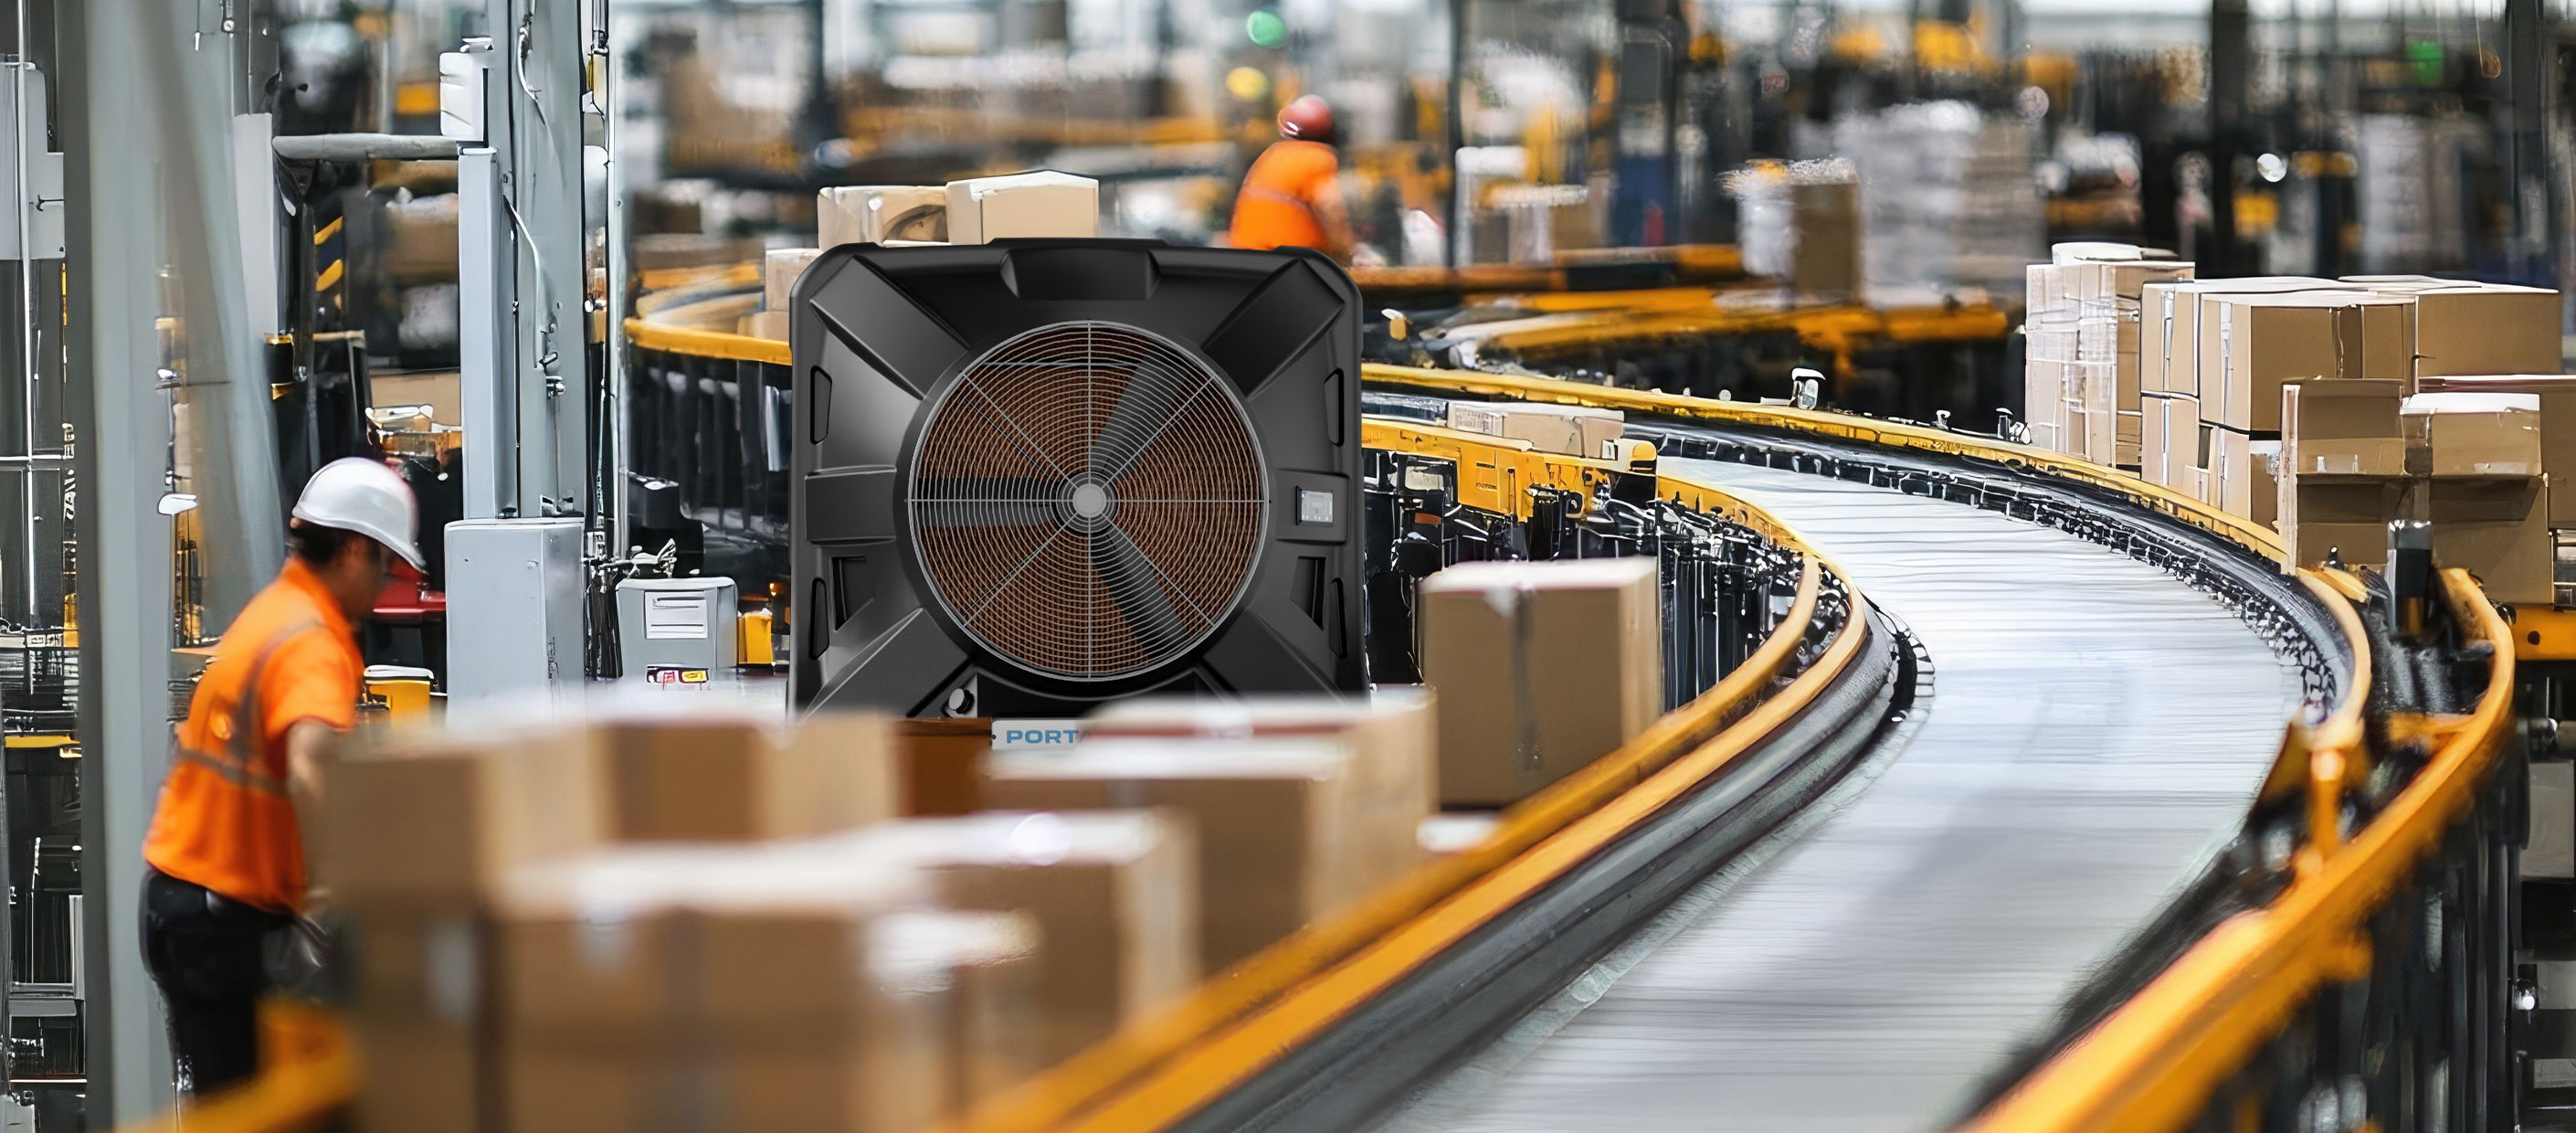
x: 308, y: 744
x: 1333, y: 217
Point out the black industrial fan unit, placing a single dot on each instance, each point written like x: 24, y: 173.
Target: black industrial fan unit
x: 1035, y: 475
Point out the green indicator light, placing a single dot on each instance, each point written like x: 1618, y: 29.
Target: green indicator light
x: 1266, y: 28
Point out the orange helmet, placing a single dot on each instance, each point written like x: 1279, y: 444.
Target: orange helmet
x: 1307, y: 119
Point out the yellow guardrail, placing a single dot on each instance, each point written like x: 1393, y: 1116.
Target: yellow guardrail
x: 2151, y: 1066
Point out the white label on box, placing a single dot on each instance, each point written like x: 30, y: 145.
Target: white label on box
x: 675, y: 616
x: 1035, y: 735
x: 2226, y: 355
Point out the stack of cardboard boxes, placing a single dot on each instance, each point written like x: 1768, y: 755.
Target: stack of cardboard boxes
x: 2084, y: 369
x: 2299, y: 403
x: 691, y: 922
x: 978, y: 210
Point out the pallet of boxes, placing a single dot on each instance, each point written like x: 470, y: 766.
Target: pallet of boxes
x: 2083, y: 373
x: 2329, y: 408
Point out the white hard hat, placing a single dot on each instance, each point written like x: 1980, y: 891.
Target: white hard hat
x: 362, y: 495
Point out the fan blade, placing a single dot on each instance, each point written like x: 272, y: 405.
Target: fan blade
x: 984, y: 501
x: 1130, y: 578
x: 1144, y: 408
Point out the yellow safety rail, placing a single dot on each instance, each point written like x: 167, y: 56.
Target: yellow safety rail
x: 1494, y: 473
x: 306, y: 1076
x: 2151, y: 1066
x: 2153, y: 497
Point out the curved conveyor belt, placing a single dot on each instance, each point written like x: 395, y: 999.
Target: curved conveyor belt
x: 2095, y: 733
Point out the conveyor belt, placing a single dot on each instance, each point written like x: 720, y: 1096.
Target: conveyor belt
x: 2095, y: 733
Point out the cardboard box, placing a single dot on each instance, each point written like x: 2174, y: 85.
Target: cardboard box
x: 780, y: 269
x: 1392, y: 736
x: 2497, y: 530
x: 2169, y: 315
x: 2476, y: 434
x: 2478, y: 328
x: 1274, y: 819
x: 2168, y: 439
x: 1540, y: 668
x: 2262, y: 342
x: 2240, y: 476
x: 771, y: 325
x: 435, y: 822
x: 1043, y: 203
x: 1825, y: 261
x: 875, y: 214
x: 2557, y: 394
x: 791, y: 986
x: 415, y: 997
x: 1114, y: 895
x: 1569, y: 430
x: 2345, y: 427
x: 699, y: 779
x: 2344, y: 515
x: 940, y: 763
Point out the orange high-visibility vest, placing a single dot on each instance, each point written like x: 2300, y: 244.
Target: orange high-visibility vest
x: 224, y: 820
x: 1276, y: 206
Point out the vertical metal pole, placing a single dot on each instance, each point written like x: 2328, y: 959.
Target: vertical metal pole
x: 1460, y: 211
x: 2230, y: 61
x: 614, y: 257
x: 486, y: 389
x: 121, y: 176
x: 26, y: 315
x: 2526, y: 37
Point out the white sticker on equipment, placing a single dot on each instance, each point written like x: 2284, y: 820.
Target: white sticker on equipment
x: 675, y: 616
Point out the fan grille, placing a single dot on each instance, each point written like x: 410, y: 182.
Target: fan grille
x: 1088, y: 500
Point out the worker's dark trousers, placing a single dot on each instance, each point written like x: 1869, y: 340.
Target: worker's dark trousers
x: 208, y: 953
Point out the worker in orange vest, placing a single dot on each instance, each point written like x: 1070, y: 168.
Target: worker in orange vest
x: 1293, y: 195
x: 226, y: 851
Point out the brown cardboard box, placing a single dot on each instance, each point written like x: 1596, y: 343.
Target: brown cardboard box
x: 2476, y: 434
x: 1274, y: 821
x: 434, y: 822
x: 2241, y: 478
x: 1826, y: 260
x: 941, y: 764
x: 2479, y: 328
x: 2346, y: 515
x: 874, y: 214
x: 2125, y: 279
x: 2557, y: 394
x: 780, y: 269
x: 787, y: 986
x: 1040, y: 203
x: 1114, y: 895
x: 699, y: 779
x: 2169, y: 316
x: 2346, y: 427
x: 2262, y: 342
x: 1391, y: 735
x: 1572, y: 430
x: 2497, y: 530
x: 1540, y: 669
x: 771, y: 325
x: 2168, y: 439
